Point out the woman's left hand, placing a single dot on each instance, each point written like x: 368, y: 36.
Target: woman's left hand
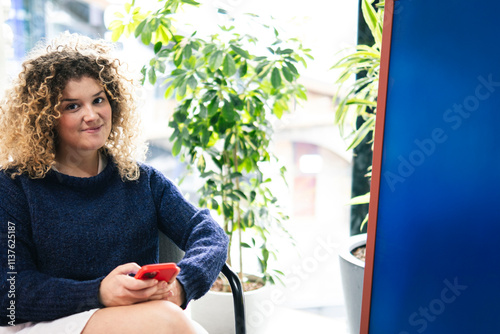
x: 171, y: 291
x: 176, y: 293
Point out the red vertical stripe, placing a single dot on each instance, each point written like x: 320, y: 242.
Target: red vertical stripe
x: 377, y: 164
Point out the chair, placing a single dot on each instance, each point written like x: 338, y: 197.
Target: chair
x: 169, y: 252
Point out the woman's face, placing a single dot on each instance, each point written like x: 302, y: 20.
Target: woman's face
x: 85, y: 122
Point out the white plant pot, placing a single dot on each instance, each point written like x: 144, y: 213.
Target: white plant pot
x: 352, y: 271
x: 215, y: 311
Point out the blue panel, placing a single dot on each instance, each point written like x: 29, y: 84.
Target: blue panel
x: 437, y: 258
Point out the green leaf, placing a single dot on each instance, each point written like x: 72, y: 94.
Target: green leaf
x: 210, y: 182
x: 235, y: 101
x: 143, y: 73
x: 178, y: 81
x: 203, y: 111
x: 164, y: 53
x: 287, y: 74
x: 187, y: 52
x: 215, y: 60
x: 178, y: 71
x: 161, y: 66
x: 240, y: 51
x: 243, y: 69
x: 362, y: 199
x: 139, y: 28
x: 209, y: 49
x: 228, y: 141
x: 265, y: 254
x: 202, y: 75
x: 228, y: 67
x: 146, y: 35
x: 190, y: 63
x: 115, y: 24
x: 363, y: 223
x: 285, y: 52
x: 234, y: 197
x: 157, y: 47
x: 115, y: 36
x: 371, y: 104
x: 191, y: 2
x: 181, y: 92
x: 215, y: 204
x: 209, y: 95
x: 163, y: 34
x: 168, y: 92
x: 260, y: 67
x: 152, y: 75
x: 176, y: 149
x: 292, y: 68
x: 213, y: 106
x: 278, y: 109
x: 371, y: 19
x: 235, y: 175
x: 205, y: 137
x: 276, y: 78
x: 228, y: 112
x: 192, y: 82
x: 240, y: 194
x: 201, y: 165
x: 179, y: 115
x: 362, y: 132
x: 227, y: 209
x: 253, y: 194
x: 127, y: 7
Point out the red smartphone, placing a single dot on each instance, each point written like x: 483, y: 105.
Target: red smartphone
x: 160, y: 271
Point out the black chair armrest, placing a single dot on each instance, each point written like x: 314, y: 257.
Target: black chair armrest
x: 237, y: 291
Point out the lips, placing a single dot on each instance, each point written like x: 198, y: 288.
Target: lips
x: 93, y: 129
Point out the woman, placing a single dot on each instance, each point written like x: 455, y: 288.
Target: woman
x: 80, y: 215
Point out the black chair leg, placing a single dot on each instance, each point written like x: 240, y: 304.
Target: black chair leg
x: 237, y: 290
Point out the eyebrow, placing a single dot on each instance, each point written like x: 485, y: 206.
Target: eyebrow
x: 95, y: 95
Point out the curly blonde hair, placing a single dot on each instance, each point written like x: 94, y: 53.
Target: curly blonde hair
x: 30, y: 111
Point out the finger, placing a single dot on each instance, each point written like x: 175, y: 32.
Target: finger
x: 144, y: 294
x: 140, y: 284
x: 172, y: 291
x: 161, y: 295
x: 127, y: 268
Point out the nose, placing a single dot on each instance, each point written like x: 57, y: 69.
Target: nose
x: 90, y: 114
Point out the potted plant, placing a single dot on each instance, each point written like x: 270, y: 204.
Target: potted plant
x: 359, y: 101
x: 229, y: 90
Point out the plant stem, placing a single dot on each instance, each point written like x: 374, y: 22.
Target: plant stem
x: 237, y: 204
x: 224, y: 200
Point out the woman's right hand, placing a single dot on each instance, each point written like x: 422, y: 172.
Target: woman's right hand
x: 119, y: 289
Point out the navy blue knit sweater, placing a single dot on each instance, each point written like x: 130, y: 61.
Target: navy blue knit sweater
x: 61, y: 235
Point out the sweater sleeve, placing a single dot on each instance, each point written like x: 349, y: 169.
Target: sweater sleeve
x: 27, y: 294
x: 194, y: 231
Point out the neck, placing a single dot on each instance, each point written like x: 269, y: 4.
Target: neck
x: 82, y: 165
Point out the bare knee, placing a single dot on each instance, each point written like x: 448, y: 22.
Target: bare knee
x: 170, y: 316
x: 154, y: 316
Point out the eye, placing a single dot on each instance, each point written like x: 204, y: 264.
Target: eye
x: 99, y: 100
x: 72, y: 106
